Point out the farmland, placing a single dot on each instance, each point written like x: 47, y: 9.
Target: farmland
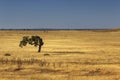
x: 65, y: 55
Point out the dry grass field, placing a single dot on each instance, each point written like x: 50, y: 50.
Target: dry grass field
x: 65, y: 55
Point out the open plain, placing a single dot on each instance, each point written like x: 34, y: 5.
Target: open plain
x: 65, y: 55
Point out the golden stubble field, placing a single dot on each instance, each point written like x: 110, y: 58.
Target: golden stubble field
x: 65, y: 55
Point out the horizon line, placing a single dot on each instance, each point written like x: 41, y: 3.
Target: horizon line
x: 58, y: 29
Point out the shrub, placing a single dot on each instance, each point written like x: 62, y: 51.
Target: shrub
x: 7, y: 54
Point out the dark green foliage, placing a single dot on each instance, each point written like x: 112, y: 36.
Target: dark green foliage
x: 24, y: 41
x: 33, y: 40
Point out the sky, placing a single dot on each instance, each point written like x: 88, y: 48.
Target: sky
x: 59, y: 14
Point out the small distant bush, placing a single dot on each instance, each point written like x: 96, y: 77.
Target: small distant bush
x: 46, y: 54
x: 7, y: 54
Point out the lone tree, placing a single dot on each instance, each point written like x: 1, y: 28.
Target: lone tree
x: 33, y: 40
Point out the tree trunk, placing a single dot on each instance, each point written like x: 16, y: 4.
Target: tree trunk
x: 39, y: 48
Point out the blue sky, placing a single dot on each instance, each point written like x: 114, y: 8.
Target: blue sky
x: 71, y: 14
